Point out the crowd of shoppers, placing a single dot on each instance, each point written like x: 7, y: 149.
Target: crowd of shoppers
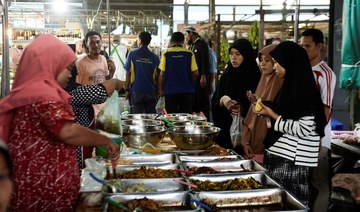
x: 43, y: 122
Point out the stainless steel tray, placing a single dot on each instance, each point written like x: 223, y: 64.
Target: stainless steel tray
x: 163, y: 185
x: 235, y: 166
x: 186, y: 158
x: 122, y: 169
x: 276, y: 199
x: 264, y: 179
x: 148, y: 159
x: 174, y: 201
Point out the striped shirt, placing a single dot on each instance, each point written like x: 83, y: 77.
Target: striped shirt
x: 300, y: 142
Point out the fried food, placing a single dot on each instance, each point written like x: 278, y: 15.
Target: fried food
x: 233, y: 184
x: 258, y: 107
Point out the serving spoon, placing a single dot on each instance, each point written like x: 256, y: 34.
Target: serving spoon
x: 114, y: 188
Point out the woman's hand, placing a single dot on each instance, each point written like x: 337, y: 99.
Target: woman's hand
x: 113, y: 149
x: 266, y: 111
x: 252, y: 97
x: 248, y: 153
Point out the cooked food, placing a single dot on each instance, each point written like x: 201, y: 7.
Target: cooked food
x: 145, y: 172
x: 139, y: 187
x: 144, y: 204
x: 233, y: 184
x: 214, y: 150
x: 258, y: 107
x: 225, y: 159
x: 203, y: 170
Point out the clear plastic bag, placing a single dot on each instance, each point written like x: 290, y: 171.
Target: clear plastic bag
x: 109, y: 118
x: 108, y: 123
x: 160, y: 105
x: 235, y: 130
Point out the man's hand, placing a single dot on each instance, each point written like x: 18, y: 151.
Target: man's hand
x: 203, y: 81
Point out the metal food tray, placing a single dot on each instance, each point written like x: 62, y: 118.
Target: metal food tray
x: 163, y: 185
x: 123, y: 169
x: 264, y: 179
x: 276, y: 199
x: 204, y: 158
x: 148, y: 159
x: 235, y: 166
x: 174, y: 201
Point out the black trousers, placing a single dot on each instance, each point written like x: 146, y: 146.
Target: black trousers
x: 179, y: 103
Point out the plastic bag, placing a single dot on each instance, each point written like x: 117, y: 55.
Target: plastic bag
x: 160, y: 105
x: 235, y: 130
x: 108, y: 123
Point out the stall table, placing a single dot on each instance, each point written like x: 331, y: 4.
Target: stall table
x: 349, y: 153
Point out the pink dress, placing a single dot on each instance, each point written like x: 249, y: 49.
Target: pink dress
x: 46, y: 175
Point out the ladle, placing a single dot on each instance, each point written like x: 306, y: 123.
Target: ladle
x: 114, y: 188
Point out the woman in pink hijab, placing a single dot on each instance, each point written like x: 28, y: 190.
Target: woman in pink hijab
x: 37, y: 123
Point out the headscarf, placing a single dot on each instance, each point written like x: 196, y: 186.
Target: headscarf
x: 299, y: 94
x: 42, y: 61
x: 268, y: 87
x: 243, y: 78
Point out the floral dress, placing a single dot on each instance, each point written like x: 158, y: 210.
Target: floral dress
x: 46, y: 175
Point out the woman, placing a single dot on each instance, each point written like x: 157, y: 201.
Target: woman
x: 37, y: 122
x: 298, y: 116
x: 241, y: 74
x: 255, y: 127
x: 6, y: 185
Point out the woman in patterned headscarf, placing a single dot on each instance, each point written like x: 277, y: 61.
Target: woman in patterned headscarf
x: 298, y: 121
x: 37, y: 123
x: 241, y: 74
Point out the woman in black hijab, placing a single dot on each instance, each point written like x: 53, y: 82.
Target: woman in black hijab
x: 241, y: 74
x: 298, y: 117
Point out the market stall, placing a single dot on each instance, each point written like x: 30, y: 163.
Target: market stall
x: 178, y: 178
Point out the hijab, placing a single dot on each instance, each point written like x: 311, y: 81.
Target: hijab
x: 299, y: 95
x: 35, y: 80
x: 245, y: 77
x: 268, y: 87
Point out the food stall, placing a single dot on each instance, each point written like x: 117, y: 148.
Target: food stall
x: 188, y: 172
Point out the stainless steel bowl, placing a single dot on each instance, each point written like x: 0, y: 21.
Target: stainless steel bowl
x: 142, y: 122
x: 197, y: 123
x: 181, y: 118
x: 193, y: 137
x: 137, y: 136
x: 139, y: 116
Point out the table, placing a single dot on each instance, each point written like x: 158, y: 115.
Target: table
x: 350, y: 154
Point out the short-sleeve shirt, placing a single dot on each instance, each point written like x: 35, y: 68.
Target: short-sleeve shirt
x: 91, y: 71
x: 325, y: 80
x: 142, y: 64
x: 178, y: 63
x: 213, y: 61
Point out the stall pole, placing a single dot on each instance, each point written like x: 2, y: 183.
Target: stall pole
x: 296, y: 24
x: 261, y: 30
x: 5, y: 72
x: 108, y: 24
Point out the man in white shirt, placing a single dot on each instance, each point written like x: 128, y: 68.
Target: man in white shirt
x: 118, y: 54
x: 312, y: 41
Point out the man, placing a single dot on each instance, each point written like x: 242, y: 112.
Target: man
x: 312, y: 41
x: 177, y: 76
x: 141, y: 77
x: 118, y: 54
x: 79, y: 47
x: 202, y: 83
x: 93, y: 68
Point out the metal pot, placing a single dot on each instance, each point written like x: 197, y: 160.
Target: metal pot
x: 197, y: 123
x: 193, y: 137
x: 137, y: 136
x: 139, y: 116
x: 142, y: 122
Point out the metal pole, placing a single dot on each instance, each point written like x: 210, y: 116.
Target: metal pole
x: 108, y: 24
x: 261, y: 30
x: 296, y: 24
x: 5, y: 72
